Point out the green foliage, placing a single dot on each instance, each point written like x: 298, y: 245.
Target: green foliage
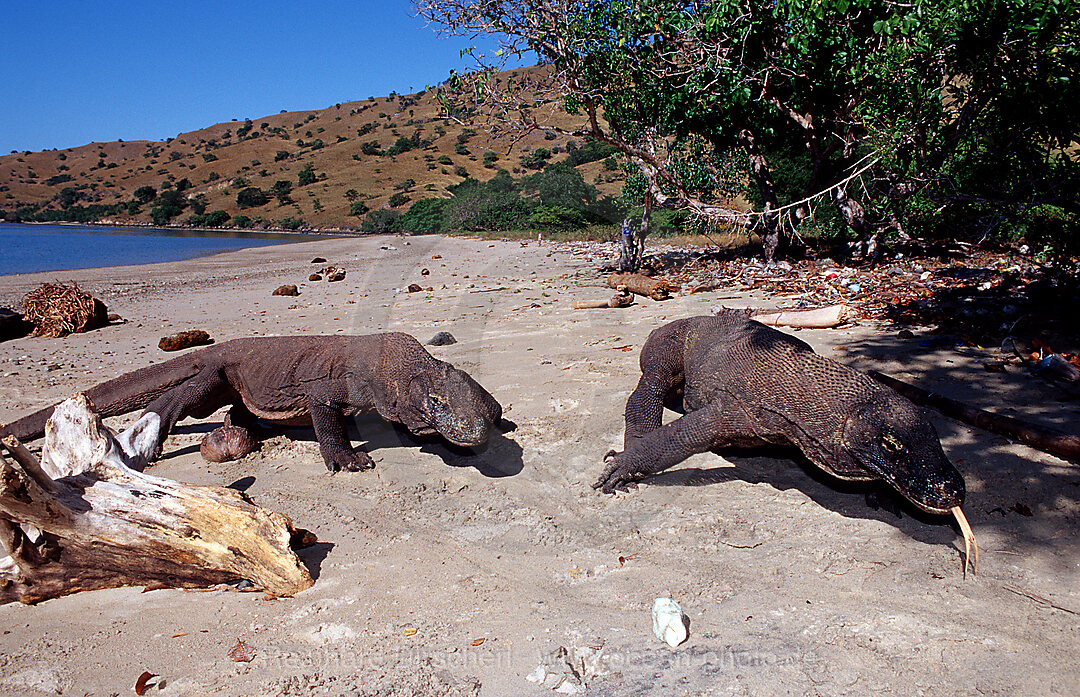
x: 461, y: 171
x: 536, y: 159
x: 306, y: 175
x: 398, y: 199
x: 252, y: 197
x: 241, y: 221
x: 371, y: 147
x: 425, y: 216
x: 591, y: 151
x: 406, y: 185
x: 358, y: 208
x: 382, y: 220
x: 145, y: 194
x: 167, y: 206
x: 282, y: 190
x: 58, y: 179
x: 68, y: 196
x: 209, y: 157
x: 282, y: 155
x: 289, y: 223
x: 490, y: 158
x: 445, y: 160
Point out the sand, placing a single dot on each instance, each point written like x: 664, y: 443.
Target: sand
x: 502, y: 572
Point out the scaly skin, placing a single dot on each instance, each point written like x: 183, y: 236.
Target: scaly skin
x: 743, y: 384
x: 321, y: 380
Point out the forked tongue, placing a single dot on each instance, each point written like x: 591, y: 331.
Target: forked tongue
x: 969, y: 540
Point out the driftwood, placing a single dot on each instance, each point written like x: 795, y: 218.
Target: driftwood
x: 655, y: 288
x: 82, y: 519
x: 817, y: 318
x: 623, y: 298
x: 1046, y: 439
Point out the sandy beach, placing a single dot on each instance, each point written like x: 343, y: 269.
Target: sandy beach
x: 501, y: 572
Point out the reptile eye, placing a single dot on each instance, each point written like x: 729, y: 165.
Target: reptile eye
x: 890, y: 444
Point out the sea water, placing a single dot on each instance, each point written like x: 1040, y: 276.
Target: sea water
x: 30, y: 248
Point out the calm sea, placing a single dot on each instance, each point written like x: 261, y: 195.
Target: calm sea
x: 29, y: 248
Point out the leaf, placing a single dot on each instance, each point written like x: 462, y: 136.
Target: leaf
x: 409, y: 631
x: 241, y: 652
x: 140, y: 684
x: 477, y: 642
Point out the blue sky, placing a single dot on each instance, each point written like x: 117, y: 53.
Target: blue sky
x: 81, y: 72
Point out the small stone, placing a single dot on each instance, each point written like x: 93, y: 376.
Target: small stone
x: 314, y: 277
x: 442, y: 339
x: 318, y: 260
x: 414, y: 288
x: 287, y: 290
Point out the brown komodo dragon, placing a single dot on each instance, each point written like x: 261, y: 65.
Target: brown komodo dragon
x: 297, y: 380
x: 740, y: 383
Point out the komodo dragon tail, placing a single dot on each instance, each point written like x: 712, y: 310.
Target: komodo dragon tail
x: 120, y: 395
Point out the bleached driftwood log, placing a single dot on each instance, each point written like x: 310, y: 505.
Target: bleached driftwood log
x: 82, y: 519
x: 815, y: 318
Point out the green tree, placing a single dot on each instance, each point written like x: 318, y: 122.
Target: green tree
x: 167, y: 206
x: 398, y: 199
x: 306, y: 175
x: 424, y: 216
x: 381, y: 220
x: 358, y: 208
x: 251, y: 197
x: 145, y: 194
x: 282, y: 190
x: 898, y: 112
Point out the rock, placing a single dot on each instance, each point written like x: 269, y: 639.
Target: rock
x: 318, y: 260
x: 314, y: 277
x: 669, y: 622
x: 414, y: 288
x: 13, y: 325
x: 226, y: 443
x: 425, y: 272
x: 442, y: 339
x: 338, y: 275
x: 183, y: 340
x: 287, y: 290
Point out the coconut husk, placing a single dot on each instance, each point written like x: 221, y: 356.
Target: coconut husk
x: 57, y: 310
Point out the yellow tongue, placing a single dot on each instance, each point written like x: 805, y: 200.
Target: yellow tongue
x: 969, y: 540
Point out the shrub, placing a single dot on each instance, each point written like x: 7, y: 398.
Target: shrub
x: 424, y: 216
x: 289, y: 223
x: 461, y: 171
x: 252, y: 197
x: 398, y: 199
x: 445, y: 160
x: 282, y: 155
x: 306, y: 175
x: 358, y: 208
x: 145, y: 194
x: 382, y: 220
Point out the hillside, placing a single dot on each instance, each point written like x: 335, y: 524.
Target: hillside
x: 361, y: 151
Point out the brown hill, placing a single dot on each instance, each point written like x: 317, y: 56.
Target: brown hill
x: 349, y: 147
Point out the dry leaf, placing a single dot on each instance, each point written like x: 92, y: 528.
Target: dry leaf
x: 140, y: 684
x: 477, y: 642
x: 409, y: 631
x: 241, y: 652
x: 179, y: 634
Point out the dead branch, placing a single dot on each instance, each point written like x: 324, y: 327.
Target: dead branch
x: 816, y: 318
x: 655, y: 288
x: 623, y: 298
x: 1039, y: 437
x: 82, y: 519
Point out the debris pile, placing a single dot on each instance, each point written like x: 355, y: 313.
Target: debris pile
x: 57, y: 310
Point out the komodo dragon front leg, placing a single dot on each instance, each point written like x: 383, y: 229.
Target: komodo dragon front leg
x: 697, y: 432
x: 334, y: 445
x: 198, y: 396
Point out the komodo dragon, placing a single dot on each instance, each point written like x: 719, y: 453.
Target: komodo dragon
x: 742, y: 384
x: 300, y: 380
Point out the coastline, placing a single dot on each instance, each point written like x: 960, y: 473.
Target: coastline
x: 443, y: 572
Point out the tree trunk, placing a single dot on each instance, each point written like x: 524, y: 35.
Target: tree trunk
x: 759, y: 169
x: 82, y: 519
x: 632, y: 248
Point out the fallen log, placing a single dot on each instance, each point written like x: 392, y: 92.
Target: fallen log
x: 816, y: 318
x: 82, y: 519
x: 655, y: 288
x: 623, y: 298
x: 1046, y: 439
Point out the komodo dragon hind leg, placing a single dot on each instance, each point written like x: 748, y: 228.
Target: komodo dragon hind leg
x: 337, y: 452
x: 697, y: 432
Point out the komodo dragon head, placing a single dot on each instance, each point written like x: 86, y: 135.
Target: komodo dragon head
x: 890, y: 439
x: 447, y: 401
